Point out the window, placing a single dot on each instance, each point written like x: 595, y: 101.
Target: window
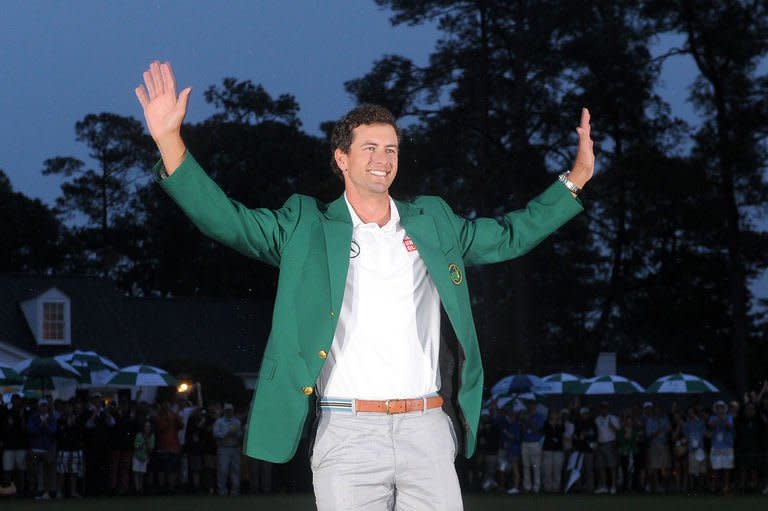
x: 53, y: 321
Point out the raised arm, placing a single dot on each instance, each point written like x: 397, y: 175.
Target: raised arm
x: 490, y: 240
x: 164, y: 112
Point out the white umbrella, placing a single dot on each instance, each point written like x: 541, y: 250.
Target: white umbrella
x: 142, y: 376
x: 610, y: 384
x: 561, y: 383
x: 516, y: 383
x: 45, y: 366
x: 681, y: 383
x: 94, y: 369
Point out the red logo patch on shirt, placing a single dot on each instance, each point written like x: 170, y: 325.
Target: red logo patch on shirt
x: 410, y: 246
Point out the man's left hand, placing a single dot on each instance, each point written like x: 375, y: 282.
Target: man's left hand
x: 584, y: 166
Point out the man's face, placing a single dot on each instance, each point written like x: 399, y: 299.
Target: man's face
x: 371, y: 164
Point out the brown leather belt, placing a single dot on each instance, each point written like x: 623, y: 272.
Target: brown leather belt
x: 392, y: 406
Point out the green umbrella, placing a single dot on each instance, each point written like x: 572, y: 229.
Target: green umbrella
x: 681, y: 383
x: 610, y: 384
x: 46, y: 366
x: 94, y: 369
x: 143, y: 376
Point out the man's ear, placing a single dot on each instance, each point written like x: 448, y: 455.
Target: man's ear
x: 341, y: 159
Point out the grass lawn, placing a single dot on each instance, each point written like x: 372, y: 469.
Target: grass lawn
x: 305, y: 502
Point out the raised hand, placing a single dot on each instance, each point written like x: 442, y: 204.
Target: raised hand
x: 584, y: 166
x: 164, y: 112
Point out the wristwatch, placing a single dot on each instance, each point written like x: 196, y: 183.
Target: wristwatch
x: 563, y: 178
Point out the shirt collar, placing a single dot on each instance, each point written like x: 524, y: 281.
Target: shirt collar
x: 391, y: 225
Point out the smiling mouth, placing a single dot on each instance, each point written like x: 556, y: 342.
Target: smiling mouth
x: 379, y: 173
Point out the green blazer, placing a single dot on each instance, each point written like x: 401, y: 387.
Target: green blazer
x: 310, y: 242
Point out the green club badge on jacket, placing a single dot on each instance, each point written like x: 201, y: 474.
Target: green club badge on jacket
x: 455, y: 273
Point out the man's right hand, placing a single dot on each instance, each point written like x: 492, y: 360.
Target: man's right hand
x: 164, y: 112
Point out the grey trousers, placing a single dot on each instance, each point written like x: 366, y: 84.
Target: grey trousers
x: 374, y: 461
x: 228, y: 467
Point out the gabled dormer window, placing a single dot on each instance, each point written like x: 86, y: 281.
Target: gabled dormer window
x: 48, y: 316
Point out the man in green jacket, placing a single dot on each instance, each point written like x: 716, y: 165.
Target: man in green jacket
x: 363, y: 284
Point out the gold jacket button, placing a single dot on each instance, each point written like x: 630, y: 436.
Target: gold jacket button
x: 308, y: 391
x: 322, y: 354
x: 333, y: 314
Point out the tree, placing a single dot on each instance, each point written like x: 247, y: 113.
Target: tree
x: 726, y: 40
x: 242, y: 102
x: 29, y: 233
x: 95, y: 198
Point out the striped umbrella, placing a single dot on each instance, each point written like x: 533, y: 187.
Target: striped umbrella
x: 561, y: 383
x: 143, y: 376
x: 610, y: 384
x: 515, y: 383
x: 8, y: 376
x: 681, y: 383
x: 94, y: 369
x: 46, y: 366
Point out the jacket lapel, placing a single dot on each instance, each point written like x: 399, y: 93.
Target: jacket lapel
x: 338, y: 238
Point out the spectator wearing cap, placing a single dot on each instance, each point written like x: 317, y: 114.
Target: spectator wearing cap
x: 553, y: 456
x: 13, y: 427
x: 41, y: 429
x: 693, y: 431
x: 228, y: 434
x: 533, y: 426
x: 659, y: 460
x: 721, y: 455
x: 606, y: 454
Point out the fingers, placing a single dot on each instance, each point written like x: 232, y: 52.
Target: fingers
x: 168, y: 79
x: 584, y: 126
x: 157, y: 78
x: 141, y: 94
x: 584, y: 118
x: 150, y: 83
x: 184, y: 99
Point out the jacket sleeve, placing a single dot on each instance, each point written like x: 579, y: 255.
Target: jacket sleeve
x: 259, y: 233
x: 488, y: 240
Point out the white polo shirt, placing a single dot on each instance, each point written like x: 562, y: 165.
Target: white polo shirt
x: 387, y: 339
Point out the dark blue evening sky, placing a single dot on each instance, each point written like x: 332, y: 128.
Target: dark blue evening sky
x: 61, y: 60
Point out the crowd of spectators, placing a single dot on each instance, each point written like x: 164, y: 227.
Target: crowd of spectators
x: 92, y: 446
x: 646, y: 447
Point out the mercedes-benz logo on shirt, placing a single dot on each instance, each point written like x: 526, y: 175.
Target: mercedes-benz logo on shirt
x: 354, y: 250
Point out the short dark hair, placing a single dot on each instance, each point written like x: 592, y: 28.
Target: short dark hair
x: 366, y: 113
